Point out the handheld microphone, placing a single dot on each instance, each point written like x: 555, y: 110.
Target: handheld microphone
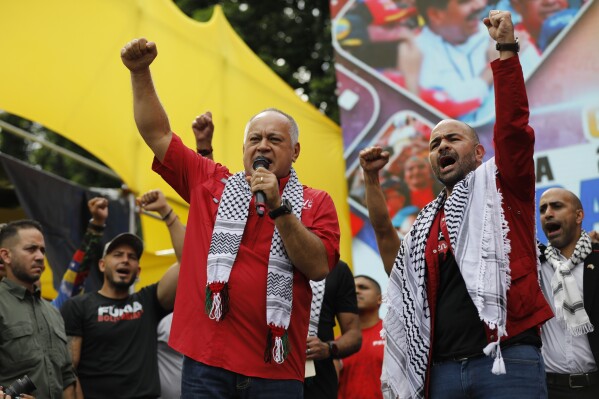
x: 259, y: 197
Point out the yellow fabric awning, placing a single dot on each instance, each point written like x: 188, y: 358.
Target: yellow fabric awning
x: 61, y: 67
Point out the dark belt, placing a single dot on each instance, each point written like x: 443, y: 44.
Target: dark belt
x: 443, y: 359
x: 579, y: 380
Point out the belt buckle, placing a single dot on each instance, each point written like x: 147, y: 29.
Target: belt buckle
x: 571, y: 385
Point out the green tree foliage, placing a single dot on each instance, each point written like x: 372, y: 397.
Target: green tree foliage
x: 293, y: 37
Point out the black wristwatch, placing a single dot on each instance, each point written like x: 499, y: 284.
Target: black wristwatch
x: 333, y: 349
x: 515, y: 47
x: 284, y: 209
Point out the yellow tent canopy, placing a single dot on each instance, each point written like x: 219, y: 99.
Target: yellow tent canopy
x: 61, y: 67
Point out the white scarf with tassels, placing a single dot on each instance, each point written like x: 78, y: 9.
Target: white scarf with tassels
x: 478, y: 235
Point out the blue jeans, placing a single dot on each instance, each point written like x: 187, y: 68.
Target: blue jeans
x: 472, y: 378
x: 200, y: 381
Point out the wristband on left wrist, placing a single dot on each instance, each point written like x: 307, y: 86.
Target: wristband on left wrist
x: 92, y: 224
x: 205, y: 152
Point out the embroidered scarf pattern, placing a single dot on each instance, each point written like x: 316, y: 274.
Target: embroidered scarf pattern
x: 566, y: 295
x: 315, y: 306
x: 478, y: 236
x: 228, y: 231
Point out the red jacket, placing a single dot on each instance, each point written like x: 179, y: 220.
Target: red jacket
x: 514, y: 140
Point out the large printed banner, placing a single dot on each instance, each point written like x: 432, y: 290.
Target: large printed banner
x: 402, y: 66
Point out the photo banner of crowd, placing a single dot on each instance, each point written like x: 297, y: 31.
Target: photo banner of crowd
x: 404, y: 65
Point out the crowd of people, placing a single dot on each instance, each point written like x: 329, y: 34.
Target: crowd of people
x: 439, y: 49
x: 476, y: 307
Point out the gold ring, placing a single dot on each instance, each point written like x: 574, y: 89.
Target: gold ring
x: 261, y: 179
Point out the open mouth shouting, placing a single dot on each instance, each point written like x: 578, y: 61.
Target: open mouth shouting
x: 446, y: 162
x: 123, y: 272
x: 553, y: 229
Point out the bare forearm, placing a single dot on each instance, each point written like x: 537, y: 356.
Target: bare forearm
x: 350, y: 340
x: 305, y: 250
x: 386, y: 237
x: 150, y: 116
x: 349, y: 343
x: 177, y: 232
x: 69, y: 392
x: 167, y: 287
x: 176, y: 229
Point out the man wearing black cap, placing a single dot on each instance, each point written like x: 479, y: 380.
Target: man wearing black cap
x: 112, y: 333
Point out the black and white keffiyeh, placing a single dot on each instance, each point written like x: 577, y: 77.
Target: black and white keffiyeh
x: 478, y: 236
x: 226, y: 237
x: 566, y: 295
x: 316, y: 306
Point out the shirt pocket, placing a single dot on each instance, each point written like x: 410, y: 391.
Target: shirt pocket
x: 60, y: 352
x: 214, y: 188
x: 19, y: 346
x: 524, y: 291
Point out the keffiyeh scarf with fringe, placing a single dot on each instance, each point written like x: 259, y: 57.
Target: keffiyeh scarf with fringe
x: 226, y: 237
x: 566, y: 295
x: 478, y: 235
x: 316, y: 306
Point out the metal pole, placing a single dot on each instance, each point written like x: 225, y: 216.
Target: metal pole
x: 62, y: 151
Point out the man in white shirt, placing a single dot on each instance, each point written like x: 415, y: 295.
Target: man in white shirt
x: 456, y: 52
x: 570, y: 278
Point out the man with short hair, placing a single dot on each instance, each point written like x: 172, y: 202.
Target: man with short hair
x: 570, y: 279
x: 112, y: 333
x: 32, y: 333
x: 359, y: 376
x: 243, y: 307
x: 332, y: 299
x: 453, y: 329
x: 456, y: 54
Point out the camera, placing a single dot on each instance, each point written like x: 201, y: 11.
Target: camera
x: 21, y: 385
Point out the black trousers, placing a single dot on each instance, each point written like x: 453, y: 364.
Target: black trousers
x: 564, y: 392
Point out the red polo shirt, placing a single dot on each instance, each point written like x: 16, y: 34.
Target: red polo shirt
x: 237, y: 343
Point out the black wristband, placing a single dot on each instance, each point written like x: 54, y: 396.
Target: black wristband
x: 167, y: 215
x: 205, y: 153
x: 515, y: 46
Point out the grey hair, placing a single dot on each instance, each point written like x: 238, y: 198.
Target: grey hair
x: 293, y: 128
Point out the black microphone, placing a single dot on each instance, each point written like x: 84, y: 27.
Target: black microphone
x: 259, y: 197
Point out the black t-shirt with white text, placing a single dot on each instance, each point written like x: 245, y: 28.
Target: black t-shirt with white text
x: 119, y: 343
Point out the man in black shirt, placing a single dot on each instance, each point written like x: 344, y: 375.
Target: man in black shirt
x: 112, y: 334
x: 339, y: 300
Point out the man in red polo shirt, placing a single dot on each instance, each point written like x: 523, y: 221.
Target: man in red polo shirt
x: 243, y: 301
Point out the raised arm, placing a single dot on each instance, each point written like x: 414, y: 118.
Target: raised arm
x: 150, y: 117
x: 372, y: 160
x: 167, y: 287
x: 512, y: 136
x: 88, y: 254
x: 154, y: 200
x: 203, y: 129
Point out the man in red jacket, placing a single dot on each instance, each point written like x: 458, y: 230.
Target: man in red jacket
x: 465, y: 304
